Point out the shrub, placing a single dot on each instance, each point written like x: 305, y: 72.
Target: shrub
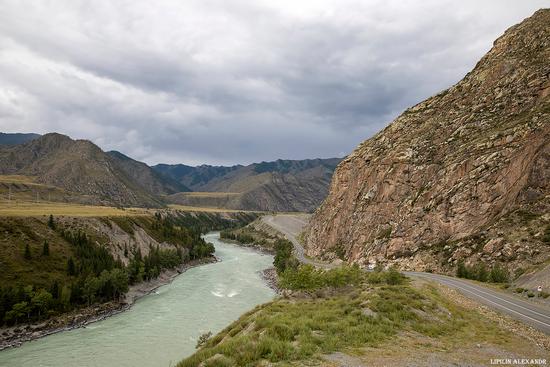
x: 306, y: 277
x: 203, y: 338
x: 498, y: 274
x: 283, y: 256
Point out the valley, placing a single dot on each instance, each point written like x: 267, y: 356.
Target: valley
x: 163, y: 327
x: 426, y: 245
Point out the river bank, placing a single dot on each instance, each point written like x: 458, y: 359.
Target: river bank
x: 162, y: 328
x: 15, y: 336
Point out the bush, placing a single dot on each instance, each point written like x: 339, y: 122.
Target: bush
x: 479, y: 272
x: 498, y: 274
x: 283, y: 256
x: 203, y: 339
x: 390, y: 277
x: 306, y: 277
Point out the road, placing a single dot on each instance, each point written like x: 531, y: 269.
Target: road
x: 291, y: 225
x: 532, y: 314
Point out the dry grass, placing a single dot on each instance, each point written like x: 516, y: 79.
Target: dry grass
x: 188, y: 208
x: 17, y: 179
x: 33, y: 209
x: 209, y: 194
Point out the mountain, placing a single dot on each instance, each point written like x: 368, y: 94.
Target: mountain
x: 282, y: 185
x: 196, y: 178
x: 82, y: 168
x: 152, y: 181
x: 463, y: 175
x: 16, y: 138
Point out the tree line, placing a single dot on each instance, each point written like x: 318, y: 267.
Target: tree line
x: 94, y: 275
x: 480, y: 272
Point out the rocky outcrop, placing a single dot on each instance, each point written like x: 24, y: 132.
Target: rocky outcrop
x: 463, y: 175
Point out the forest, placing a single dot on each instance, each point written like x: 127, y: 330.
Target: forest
x: 93, y: 275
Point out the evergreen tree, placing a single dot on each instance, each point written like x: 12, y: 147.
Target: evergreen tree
x: 55, y: 290
x: 71, y: 268
x: 499, y: 274
x: 462, y: 271
x: 27, y: 252
x: 45, y: 249
x: 51, y: 222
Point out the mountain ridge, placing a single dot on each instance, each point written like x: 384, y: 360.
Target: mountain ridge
x: 78, y: 166
x: 448, y: 179
x: 281, y: 185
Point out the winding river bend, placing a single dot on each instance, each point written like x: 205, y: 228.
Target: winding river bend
x: 161, y: 328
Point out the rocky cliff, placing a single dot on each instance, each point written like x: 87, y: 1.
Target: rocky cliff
x: 464, y: 174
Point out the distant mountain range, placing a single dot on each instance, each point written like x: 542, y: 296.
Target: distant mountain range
x: 282, y: 185
x: 93, y: 176
x: 16, y: 138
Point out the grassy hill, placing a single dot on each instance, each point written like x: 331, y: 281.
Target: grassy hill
x: 360, y: 319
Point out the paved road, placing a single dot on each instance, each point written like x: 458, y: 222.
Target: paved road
x: 291, y: 225
x: 535, y: 315
x: 532, y: 314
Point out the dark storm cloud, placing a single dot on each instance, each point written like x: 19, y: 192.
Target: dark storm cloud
x: 234, y: 81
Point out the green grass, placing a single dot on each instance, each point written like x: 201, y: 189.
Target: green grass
x: 311, y: 323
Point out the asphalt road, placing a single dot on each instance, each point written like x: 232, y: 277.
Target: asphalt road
x: 530, y: 313
x: 290, y: 225
x: 538, y: 316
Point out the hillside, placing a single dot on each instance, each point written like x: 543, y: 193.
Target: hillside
x: 461, y: 176
x: 147, y: 178
x: 59, y: 271
x: 16, y: 138
x: 84, y: 171
x: 282, y: 185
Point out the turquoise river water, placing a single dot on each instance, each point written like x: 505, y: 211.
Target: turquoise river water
x: 161, y: 328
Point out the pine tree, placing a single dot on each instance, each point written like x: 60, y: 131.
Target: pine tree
x: 51, y: 222
x: 55, y: 290
x: 27, y: 252
x: 71, y: 268
x: 46, y: 249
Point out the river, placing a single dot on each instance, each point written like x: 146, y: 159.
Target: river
x: 162, y: 328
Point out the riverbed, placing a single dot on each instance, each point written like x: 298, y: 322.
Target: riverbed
x: 161, y: 328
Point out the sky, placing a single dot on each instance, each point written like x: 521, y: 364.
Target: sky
x: 227, y: 82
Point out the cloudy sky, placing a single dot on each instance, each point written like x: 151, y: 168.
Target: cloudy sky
x: 224, y: 82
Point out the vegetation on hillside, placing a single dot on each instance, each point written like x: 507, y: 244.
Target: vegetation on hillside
x: 496, y: 274
x: 347, y: 313
x: 60, y: 266
x: 251, y: 236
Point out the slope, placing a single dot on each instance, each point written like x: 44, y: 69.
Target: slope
x: 462, y: 176
x: 282, y: 185
x: 77, y: 166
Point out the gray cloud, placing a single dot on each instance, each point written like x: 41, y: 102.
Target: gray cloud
x: 225, y: 82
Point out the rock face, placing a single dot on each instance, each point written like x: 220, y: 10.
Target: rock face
x: 464, y: 174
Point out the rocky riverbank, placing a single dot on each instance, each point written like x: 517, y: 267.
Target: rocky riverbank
x: 271, y: 278
x: 15, y: 336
